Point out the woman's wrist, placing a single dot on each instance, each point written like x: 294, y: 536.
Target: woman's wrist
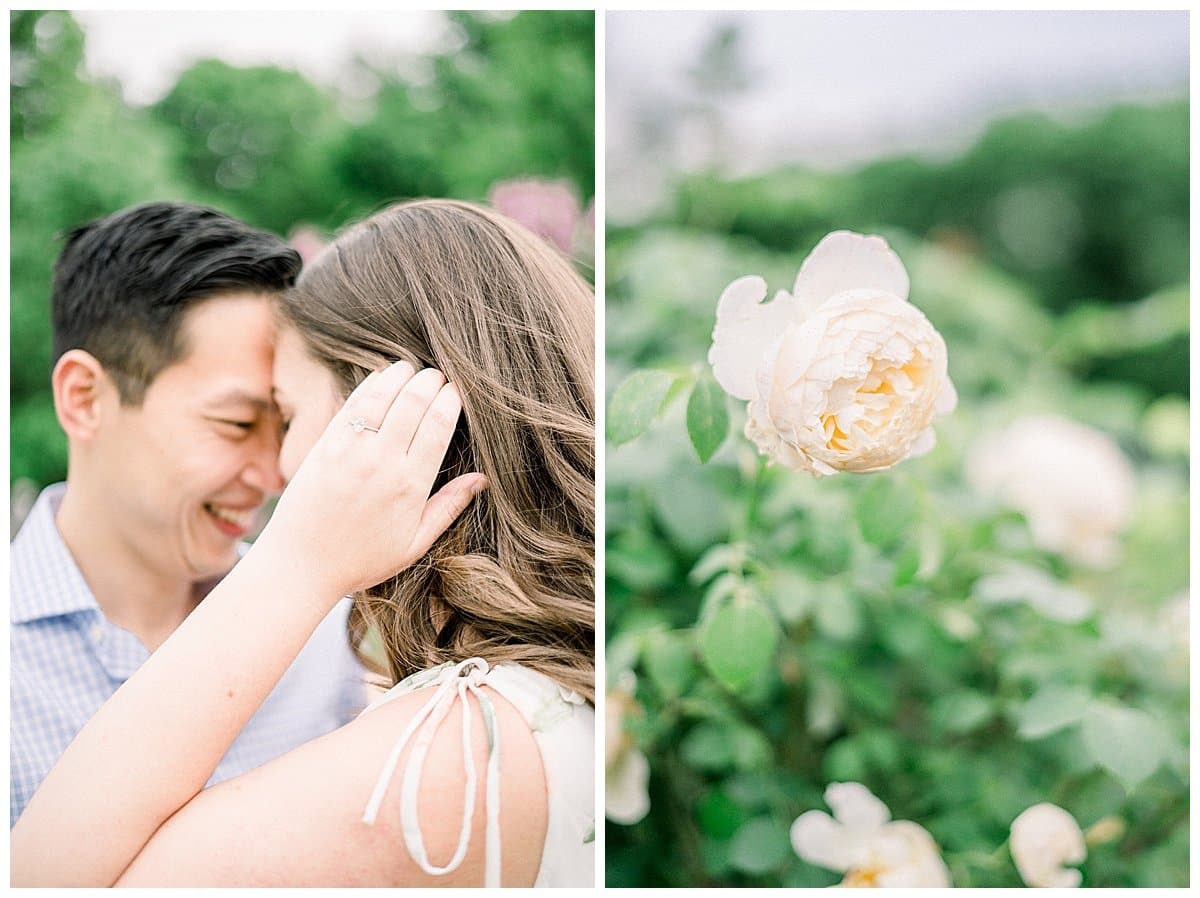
x: 304, y: 576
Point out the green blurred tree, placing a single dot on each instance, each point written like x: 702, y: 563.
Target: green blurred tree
x: 70, y: 162
x: 514, y: 100
x: 1097, y: 210
x: 258, y: 141
x: 45, y: 56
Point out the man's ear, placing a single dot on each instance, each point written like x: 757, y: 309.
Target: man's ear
x: 80, y: 388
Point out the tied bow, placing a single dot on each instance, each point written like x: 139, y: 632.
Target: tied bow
x: 453, y: 683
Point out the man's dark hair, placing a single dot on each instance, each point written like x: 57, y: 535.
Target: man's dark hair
x: 123, y: 283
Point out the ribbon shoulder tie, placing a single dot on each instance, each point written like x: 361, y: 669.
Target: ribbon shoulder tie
x: 453, y: 683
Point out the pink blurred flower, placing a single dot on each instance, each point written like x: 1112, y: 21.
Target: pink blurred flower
x: 307, y: 241
x: 550, y: 209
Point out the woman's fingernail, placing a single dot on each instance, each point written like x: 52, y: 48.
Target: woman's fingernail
x: 479, y: 486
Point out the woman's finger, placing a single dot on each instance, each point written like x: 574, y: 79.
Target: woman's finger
x: 404, y: 417
x: 432, y: 439
x: 368, y: 404
x: 443, y: 509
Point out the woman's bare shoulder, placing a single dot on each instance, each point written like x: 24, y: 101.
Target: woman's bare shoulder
x: 298, y: 820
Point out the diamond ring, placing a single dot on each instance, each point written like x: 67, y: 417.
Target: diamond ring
x: 359, y: 424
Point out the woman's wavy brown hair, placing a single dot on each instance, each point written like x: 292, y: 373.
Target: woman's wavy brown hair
x: 506, y: 318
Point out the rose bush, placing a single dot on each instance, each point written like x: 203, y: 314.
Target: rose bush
x: 905, y: 630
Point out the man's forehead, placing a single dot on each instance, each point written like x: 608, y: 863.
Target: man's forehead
x: 227, y: 345
x: 230, y: 315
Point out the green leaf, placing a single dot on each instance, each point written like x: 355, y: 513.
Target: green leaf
x: 845, y: 761
x: 719, y: 815
x: 751, y: 749
x: 1128, y: 742
x: 961, y: 712
x: 718, y: 591
x: 760, y: 846
x: 721, y: 557
x: 707, y: 746
x: 738, y: 643
x: 793, y: 595
x: 707, y: 417
x: 908, y: 562
x: 1051, y: 709
x: 668, y: 659
x: 715, y: 854
x: 837, y: 616
x: 636, y: 402
x: 886, y: 510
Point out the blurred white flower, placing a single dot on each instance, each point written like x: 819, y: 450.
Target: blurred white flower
x: 1043, y: 839
x: 627, y: 772
x: 862, y: 841
x: 1072, y: 483
x: 843, y: 373
x: 550, y: 209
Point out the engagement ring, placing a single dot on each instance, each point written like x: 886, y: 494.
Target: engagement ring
x: 360, y: 424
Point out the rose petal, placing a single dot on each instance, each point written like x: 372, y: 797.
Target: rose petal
x: 854, y: 805
x: 746, y: 328
x: 819, y: 839
x: 626, y: 799
x: 947, y: 399
x: 923, y: 445
x: 1041, y: 840
x: 910, y: 858
x: 843, y: 261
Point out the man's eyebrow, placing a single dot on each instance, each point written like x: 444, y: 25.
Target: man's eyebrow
x: 241, y: 397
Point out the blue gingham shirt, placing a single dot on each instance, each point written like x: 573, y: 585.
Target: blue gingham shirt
x: 67, y: 659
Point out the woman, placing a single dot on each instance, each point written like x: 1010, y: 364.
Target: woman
x: 468, y: 546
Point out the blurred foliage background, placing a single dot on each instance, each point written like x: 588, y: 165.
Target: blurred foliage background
x: 514, y: 100
x: 1054, y: 259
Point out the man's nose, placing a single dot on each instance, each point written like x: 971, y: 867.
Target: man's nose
x: 262, y: 469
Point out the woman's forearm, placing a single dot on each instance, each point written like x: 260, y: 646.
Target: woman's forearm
x: 151, y: 748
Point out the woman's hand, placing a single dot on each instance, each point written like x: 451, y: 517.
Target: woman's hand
x: 358, y: 510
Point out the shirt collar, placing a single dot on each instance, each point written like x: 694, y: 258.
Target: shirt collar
x: 46, y: 581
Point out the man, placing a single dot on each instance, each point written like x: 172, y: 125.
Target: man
x: 163, y: 325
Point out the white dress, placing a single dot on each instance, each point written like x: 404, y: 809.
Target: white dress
x: 564, y: 727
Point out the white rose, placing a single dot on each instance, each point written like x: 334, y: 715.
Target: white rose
x: 627, y: 771
x: 843, y: 373
x: 862, y: 841
x: 1072, y: 483
x: 1043, y: 839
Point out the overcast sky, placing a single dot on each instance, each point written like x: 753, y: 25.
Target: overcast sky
x: 832, y: 89
x: 146, y: 51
